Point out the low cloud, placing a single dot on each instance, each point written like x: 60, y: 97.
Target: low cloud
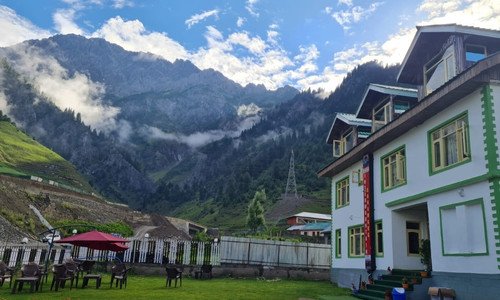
x: 275, y: 134
x: 198, y: 139
x: 195, y: 19
x: 240, y: 21
x: 76, y: 92
x: 248, y: 110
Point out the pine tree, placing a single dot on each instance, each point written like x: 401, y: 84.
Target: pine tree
x: 255, y: 216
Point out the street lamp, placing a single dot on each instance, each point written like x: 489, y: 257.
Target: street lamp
x: 74, y: 231
x: 146, y: 235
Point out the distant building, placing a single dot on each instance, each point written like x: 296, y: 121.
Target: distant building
x: 429, y: 169
x: 310, y: 229
x: 307, y: 217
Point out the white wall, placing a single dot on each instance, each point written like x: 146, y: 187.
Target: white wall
x: 417, y: 159
x: 486, y: 264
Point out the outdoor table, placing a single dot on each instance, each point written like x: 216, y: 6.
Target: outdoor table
x: 97, y: 278
x: 34, y: 281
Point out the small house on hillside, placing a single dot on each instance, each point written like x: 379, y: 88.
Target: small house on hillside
x: 307, y: 217
x: 429, y: 172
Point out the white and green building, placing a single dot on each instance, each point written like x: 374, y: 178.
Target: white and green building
x: 434, y: 167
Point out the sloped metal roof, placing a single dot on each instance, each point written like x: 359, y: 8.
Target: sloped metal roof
x: 375, y: 91
x: 349, y: 119
x: 312, y: 216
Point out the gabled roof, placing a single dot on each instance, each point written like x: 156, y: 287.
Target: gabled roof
x: 373, y: 93
x: 428, y: 42
x: 311, y: 215
x: 348, y: 119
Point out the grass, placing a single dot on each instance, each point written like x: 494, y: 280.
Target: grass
x: 20, y: 155
x: 153, y: 287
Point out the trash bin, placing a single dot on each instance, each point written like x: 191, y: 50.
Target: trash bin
x: 398, y: 294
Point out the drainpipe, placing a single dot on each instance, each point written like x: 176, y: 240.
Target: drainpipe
x: 369, y: 218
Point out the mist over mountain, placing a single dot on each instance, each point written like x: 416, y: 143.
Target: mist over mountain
x: 165, y: 136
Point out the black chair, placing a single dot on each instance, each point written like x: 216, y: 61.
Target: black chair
x: 30, y: 273
x: 61, y: 275
x: 5, y: 273
x: 206, y: 270
x: 119, y: 275
x: 173, y: 273
x: 72, y: 269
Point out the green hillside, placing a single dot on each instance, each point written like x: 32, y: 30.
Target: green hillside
x: 21, y: 155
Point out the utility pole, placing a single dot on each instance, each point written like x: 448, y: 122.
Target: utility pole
x: 291, y: 184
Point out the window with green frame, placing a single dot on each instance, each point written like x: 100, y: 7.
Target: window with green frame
x: 393, y: 169
x: 379, y: 239
x: 342, y: 192
x: 356, y: 241
x: 338, y: 243
x: 449, y: 144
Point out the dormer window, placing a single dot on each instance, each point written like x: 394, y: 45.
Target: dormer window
x: 440, y: 69
x: 346, y: 143
x: 381, y: 116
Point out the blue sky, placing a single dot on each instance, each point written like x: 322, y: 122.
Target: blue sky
x: 304, y: 43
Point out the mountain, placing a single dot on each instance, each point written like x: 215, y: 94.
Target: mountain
x: 22, y: 156
x: 176, y: 140
x: 232, y: 169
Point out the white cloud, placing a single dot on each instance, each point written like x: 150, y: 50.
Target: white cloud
x: 132, y: 36
x: 240, y: 21
x: 248, y: 110
x: 199, y: 139
x: 250, y: 7
x: 64, y: 21
x: 346, y: 18
x: 118, y: 4
x: 15, y: 29
x: 345, y: 2
x: 194, y: 19
x: 76, y: 92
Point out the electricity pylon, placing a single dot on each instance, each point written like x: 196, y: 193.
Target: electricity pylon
x: 291, y: 184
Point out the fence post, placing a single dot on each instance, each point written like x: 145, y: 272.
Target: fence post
x: 248, y: 254
x: 279, y: 252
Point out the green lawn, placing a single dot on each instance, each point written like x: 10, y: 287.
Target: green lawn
x: 153, y: 287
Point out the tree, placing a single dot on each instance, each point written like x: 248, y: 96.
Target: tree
x: 255, y: 216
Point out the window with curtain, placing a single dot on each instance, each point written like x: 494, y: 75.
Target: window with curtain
x: 342, y: 193
x: 450, y: 144
x: 338, y: 243
x: 394, y: 169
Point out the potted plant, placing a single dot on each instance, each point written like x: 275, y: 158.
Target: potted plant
x: 405, y: 283
x: 425, y: 257
x: 387, y: 295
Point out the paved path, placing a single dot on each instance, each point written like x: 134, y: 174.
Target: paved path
x: 42, y: 219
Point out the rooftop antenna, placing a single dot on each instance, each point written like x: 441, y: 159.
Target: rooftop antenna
x: 291, y: 184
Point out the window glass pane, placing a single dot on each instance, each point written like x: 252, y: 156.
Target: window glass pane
x: 412, y: 225
x: 474, y: 53
x: 413, y: 242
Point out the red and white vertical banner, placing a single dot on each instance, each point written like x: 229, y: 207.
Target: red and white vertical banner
x: 368, y: 213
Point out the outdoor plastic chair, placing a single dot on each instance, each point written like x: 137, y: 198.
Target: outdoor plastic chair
x: 61, y: 275
x: 5, y: 273
x: 119, y: 275
x: 173, y: 273
x: 30, y: 273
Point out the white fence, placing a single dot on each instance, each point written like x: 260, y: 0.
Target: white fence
x: 229, y: 250
x: 274, y: 253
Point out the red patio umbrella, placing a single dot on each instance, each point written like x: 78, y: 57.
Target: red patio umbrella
x: 97, y: 240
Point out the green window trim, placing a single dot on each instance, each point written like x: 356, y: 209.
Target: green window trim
x: 382, y: 170
x: 338, y: 243
x: 451, y: 206
x: 432, y: 171
x: 337, y: 185
x: 377, y: 252
x: 360, y: 226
